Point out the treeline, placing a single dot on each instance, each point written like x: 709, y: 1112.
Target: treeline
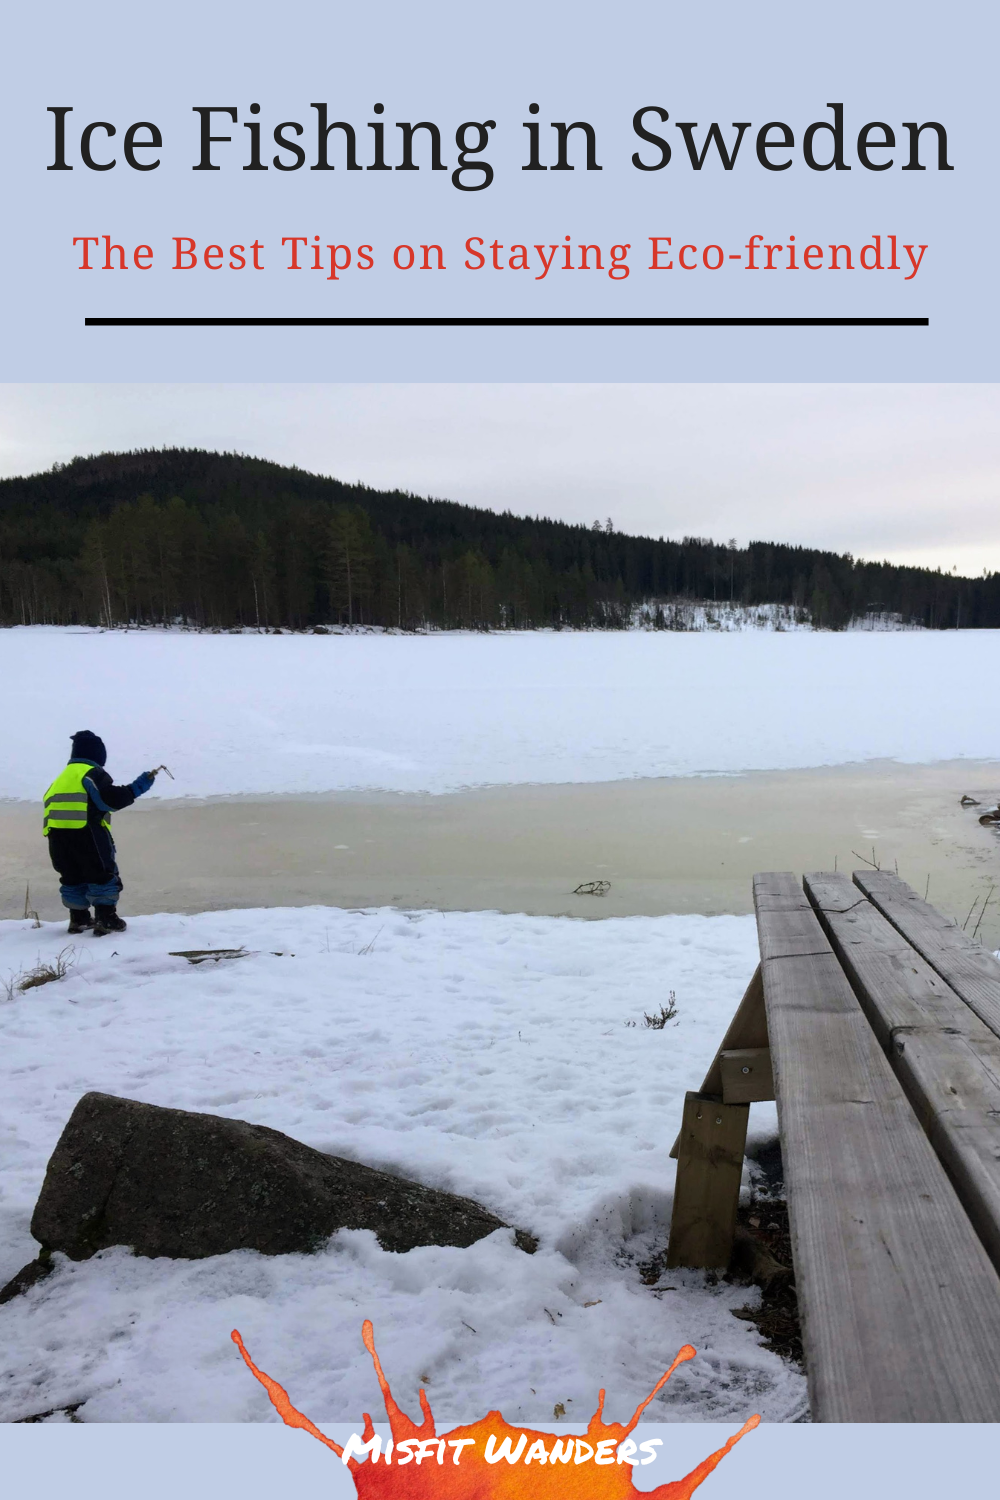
x: 222, y: 541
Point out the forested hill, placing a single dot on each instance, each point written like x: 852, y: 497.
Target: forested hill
x: 219, y: 540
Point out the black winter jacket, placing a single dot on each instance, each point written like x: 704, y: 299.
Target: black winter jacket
x: 86, y: 856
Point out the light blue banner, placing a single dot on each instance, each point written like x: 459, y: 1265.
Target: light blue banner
x: 915, y: 240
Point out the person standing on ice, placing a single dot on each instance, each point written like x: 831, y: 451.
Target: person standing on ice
x: 78, y: 808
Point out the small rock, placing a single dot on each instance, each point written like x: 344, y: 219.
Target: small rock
x: 34, y: 1271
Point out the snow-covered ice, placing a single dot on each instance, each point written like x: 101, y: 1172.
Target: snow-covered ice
x: 434, y: 713
x: 477, y: 1052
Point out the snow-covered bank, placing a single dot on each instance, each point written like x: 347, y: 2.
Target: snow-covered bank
x: 485, y: 1054
x: 709, y: 614
x: 259, y: 714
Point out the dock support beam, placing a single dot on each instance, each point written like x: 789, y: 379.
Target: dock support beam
x: 710, y: 1152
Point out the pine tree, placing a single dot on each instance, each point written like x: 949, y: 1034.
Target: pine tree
x: 349, y: 553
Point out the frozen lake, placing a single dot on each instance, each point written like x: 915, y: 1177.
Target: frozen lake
x: 671, y: 844
x: 302, y: 713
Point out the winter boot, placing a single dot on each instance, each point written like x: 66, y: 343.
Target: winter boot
x: 106, y: 919
x: 80, y: 920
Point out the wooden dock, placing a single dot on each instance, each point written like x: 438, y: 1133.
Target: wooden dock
x: 875, y: 1023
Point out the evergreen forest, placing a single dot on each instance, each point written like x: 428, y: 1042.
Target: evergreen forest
x: 222, y: 541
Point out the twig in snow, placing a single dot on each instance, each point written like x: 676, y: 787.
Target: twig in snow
x: 203, y: 955
x: 982, y: 913
x: 28, y: 912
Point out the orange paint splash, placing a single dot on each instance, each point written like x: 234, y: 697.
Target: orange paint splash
x: 438, y: 1476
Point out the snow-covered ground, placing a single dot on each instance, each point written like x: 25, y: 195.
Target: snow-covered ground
x: 305, y: 713
x: 489, y: 1055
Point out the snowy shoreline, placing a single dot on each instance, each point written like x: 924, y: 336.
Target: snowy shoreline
x: 673, y: 614
x: 482, y: 1053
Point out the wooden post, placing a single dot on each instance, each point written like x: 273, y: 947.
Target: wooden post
x: 706, y: 1194
x: 748, y: 1028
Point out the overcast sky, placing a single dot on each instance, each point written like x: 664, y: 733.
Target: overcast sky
x: 908, y: 472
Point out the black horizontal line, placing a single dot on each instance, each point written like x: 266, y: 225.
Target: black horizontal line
x: 507, y: 322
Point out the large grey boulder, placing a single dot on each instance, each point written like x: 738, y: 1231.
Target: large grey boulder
x: 171, y: 1182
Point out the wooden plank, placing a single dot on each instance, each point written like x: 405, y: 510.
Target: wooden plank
x: 899, y: 1302
x: 946, y: 1058
x: 748, y: 1028
x: 746, y: 1075
x: 707, y: 1190
x: 966, y: 966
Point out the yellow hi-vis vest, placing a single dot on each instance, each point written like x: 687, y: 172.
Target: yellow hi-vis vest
x: 66, y: 799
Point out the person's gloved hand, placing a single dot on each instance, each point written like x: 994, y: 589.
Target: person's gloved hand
x: 142, y: 783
